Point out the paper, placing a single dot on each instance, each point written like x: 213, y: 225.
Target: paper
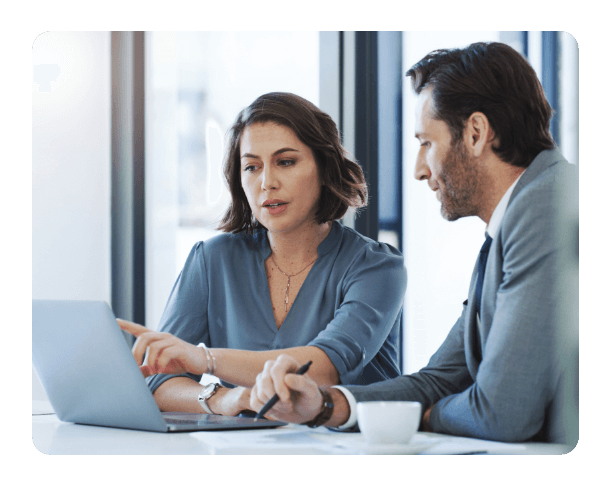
x: 457, y: 445
x: 299, y: 440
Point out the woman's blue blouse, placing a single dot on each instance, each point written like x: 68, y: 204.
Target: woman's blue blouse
x: 349, y: 305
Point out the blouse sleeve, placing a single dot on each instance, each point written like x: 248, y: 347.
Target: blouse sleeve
x: 185, y: 315
x: 372, y: 294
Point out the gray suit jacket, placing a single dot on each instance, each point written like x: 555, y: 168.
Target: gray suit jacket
x: 500, y: 378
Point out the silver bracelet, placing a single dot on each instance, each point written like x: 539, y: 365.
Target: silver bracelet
x: 213, y: 370
x: 207, y: 356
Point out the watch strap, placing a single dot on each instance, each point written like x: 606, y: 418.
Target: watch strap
x: 327, y: 410
x: 203, y: 400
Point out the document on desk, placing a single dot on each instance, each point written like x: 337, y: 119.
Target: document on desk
x: 300, y: 440
x: 458, y: 445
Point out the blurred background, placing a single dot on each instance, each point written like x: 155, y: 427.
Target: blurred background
x: 128, y: 133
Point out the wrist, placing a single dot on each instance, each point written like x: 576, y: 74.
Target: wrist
x: 207, y: 362
x: 325, y: 411
x: 425, y: 422
x: 215, y: 403
x: 341, y: 411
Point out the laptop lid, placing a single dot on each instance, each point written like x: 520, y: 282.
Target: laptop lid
x: 90, y: 376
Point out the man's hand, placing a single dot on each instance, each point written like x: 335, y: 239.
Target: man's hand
x: 166, y: 354
x: 300, y: 400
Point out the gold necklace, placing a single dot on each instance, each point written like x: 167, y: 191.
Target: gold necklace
x: 290, y: 276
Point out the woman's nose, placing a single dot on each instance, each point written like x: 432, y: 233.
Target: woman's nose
x: 269, y: 180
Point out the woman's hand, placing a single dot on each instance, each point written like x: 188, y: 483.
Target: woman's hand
x: 300, y: 399
x: 167, y: 354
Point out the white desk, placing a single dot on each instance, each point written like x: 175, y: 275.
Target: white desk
x: 54, y: 437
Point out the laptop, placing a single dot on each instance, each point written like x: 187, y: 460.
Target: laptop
x: 90, y: 376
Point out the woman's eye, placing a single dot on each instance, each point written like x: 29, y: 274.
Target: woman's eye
x: 286, y: 162
x: 249, y: 168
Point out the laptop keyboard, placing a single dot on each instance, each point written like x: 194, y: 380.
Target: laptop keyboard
x: 201, y: 419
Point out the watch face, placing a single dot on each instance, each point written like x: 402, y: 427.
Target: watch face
x: 207, y: 391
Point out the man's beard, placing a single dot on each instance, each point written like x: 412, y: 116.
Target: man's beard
x: 459, y: 183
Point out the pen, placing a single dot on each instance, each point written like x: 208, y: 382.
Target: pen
x: 271, y: 402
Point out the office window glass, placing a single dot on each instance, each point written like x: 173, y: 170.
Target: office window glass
x: 196, y: 84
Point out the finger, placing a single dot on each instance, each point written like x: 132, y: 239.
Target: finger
x: 255, y: 402
x: 299, y: 383
x: 264, y: 386
x: 144, y: 341
x: 164, y: 357
x: 278, y: 371
x: 151, y: 357
x: 132, y: 328
x: 146, y: 371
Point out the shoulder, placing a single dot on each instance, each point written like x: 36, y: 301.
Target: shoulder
x: 357, y: 250
x: 351, y: 241
x: 538, y: 215
x: 228, y: 242
x: 541, y: 199
x: 219, y: 252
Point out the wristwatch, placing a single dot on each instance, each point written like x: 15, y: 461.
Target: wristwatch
x: 327, y: 410
x: 206, y: 393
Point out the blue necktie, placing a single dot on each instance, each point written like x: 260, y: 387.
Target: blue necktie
x: 482, y: 262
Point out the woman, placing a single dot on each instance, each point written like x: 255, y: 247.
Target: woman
x: 286, y: 278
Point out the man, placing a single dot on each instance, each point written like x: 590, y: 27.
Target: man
x: 485, y: 148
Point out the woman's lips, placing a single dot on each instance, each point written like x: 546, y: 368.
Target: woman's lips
x: 276, y: 208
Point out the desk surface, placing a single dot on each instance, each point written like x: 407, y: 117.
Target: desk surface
x: 51, y: 436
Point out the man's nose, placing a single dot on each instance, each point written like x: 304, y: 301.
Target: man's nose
x: 422, y: 171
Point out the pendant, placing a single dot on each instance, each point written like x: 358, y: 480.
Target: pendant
x: 286, y: 299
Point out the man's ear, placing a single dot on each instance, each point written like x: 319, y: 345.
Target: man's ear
x: 478, y: 133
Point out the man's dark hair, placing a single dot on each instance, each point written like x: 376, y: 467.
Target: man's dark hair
x: 494, y: 79
x: 343, y: 182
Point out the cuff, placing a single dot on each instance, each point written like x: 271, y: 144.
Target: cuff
x: 353, y: 417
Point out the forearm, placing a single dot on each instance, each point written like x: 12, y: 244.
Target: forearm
x: 240, y: 367
x: 178, y: 394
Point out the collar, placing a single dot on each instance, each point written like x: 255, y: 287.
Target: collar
x: 498, y: 214
x: 328, y: 243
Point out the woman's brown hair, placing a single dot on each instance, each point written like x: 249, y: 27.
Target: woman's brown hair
x: 496, y: 80
x: 342, y: 179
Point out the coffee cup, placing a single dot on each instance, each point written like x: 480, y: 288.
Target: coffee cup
x: 388, y: 422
